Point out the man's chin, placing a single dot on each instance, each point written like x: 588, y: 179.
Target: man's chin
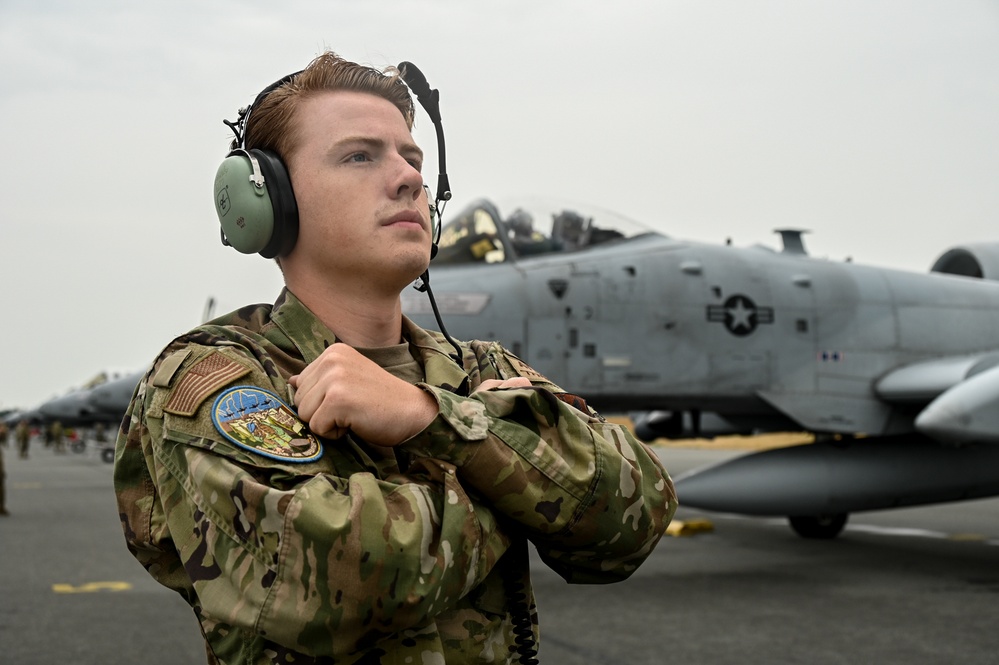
x: 416, y: 261
x: 405, y: 268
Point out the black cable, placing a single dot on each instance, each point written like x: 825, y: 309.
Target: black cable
x: 511, y: 566
x: 425, y: 277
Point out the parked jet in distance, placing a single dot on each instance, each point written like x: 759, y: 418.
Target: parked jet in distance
x: 102, y: 399
x: 897, y: 373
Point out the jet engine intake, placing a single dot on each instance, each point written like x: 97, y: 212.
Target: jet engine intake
x: 979, y: 260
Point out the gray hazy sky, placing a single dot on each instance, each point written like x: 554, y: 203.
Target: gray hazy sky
x: 875, y: 124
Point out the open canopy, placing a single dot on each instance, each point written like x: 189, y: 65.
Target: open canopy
x: 483, y: 233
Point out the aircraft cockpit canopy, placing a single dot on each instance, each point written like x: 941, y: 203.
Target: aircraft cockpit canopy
x: 481, y: 233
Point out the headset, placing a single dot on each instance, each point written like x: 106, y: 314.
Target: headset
x: 254, y: 197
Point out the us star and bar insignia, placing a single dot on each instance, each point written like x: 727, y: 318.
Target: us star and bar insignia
x: 204, y: 378
x: 257, y: 420
x: 740, y: 315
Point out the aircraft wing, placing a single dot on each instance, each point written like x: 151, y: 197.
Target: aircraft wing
x: 833, y: 412
x: 960, y: 394
x: 957, y: 402
x: 965, y: 413
x: 956, y: 399
x: 922, y: 382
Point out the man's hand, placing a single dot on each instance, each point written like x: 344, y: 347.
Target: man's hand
x: 342, y: 390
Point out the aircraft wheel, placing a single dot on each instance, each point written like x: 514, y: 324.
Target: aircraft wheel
x: 108, y: 455
x: 822, y: 527
x: 78, y: 446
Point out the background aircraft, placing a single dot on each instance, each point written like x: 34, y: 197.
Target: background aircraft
x: 103, y: 399
x: 897, y: 373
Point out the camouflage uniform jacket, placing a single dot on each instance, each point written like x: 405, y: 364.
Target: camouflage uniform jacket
x: 322, y: 551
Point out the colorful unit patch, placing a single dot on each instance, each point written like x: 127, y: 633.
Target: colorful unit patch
x: 260, y: 422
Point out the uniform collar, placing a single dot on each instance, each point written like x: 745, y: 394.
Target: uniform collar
x: 438, y: 365
x: 309, y: 335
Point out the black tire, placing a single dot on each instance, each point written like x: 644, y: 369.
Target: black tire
x: 822, y: 527
x: 108, y: 455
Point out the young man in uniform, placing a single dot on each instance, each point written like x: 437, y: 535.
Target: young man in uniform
x: 322, y: 480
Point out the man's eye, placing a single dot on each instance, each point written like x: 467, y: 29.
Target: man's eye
x: 358, y: 157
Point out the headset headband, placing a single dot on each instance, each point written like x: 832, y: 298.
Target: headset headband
x: 239, y: 127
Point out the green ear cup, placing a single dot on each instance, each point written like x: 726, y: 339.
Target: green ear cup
x: 243, y: 206
x: 256, y: 204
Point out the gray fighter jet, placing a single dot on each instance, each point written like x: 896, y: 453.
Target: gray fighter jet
x: 98, y: 405
x: 896, y: 373
x: 103, y: 399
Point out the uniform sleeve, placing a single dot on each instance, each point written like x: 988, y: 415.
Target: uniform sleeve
x: 592, y: 498
x: 315, y: 557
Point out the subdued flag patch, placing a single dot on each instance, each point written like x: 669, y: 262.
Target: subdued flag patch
x: 203, y: 379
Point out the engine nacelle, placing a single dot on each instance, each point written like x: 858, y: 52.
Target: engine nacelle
x: 975, y: 260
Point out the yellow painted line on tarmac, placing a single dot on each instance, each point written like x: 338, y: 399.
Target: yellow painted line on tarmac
x: 26, y: 486
x: 967, y: 537
x: 757, y: 442
x: 679, y: 528
x: 92, y: 587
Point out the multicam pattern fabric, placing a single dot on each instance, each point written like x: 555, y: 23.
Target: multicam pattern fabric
x: 413, y: 554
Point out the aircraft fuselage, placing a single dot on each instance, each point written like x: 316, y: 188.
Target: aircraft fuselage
x: 656, y: 323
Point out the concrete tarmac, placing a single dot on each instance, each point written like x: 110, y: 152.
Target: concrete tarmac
x: 912, y: 586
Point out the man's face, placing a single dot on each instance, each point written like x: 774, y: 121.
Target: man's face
x: 363, y: 212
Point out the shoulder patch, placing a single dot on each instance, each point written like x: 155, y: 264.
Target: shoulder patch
x: 257, y: 420
x: 204, y: 378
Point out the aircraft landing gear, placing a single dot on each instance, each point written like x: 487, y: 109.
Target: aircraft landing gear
x: 824, y: 527
x: 107, y: 454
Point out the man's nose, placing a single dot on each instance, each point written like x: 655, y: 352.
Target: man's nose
x: 407, y: 179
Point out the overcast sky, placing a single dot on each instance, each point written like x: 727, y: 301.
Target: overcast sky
x: 875, y: 124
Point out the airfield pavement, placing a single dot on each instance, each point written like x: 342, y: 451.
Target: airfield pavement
x: 911, y: 586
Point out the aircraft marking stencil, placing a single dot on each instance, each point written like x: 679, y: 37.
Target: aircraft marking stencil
x: 740, y: 315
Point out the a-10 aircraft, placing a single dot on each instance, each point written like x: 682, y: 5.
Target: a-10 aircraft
x: 896, y: 373
x: 103, y: 399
